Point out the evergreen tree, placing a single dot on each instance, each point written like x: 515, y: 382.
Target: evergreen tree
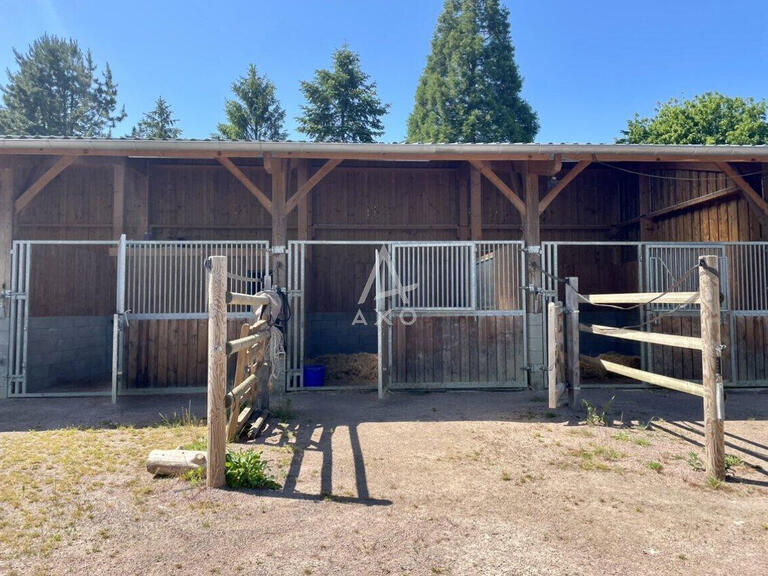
x: 58, y: 92
x: 342, y: 104
x: 470, y: 88
x: 159, y: 123
x: 256, y: 113
x: 709, y: 118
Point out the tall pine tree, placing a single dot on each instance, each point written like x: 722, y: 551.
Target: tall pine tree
x: 256, y: 113
x: 342, y: 104
x: 58, y: 92
x: 159, y: 123
x: 470, y: 88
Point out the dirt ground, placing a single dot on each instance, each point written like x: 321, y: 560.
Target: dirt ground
x: 438, y: 483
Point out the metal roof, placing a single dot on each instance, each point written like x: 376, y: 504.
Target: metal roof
x: 396, y: 151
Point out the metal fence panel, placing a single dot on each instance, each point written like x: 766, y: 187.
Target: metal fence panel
x: 166, y: 279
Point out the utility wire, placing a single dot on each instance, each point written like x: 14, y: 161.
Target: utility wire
x: 661, y: 177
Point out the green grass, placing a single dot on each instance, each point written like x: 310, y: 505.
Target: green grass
x: 656, y: 466
x: 695, y: 462
x: 714, y: 483
x: 732, y: 461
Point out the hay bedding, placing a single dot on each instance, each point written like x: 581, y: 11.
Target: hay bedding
x: 359, y: 368
x: 596, y: 372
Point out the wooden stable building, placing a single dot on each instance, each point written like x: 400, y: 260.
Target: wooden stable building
x: 102, y: 243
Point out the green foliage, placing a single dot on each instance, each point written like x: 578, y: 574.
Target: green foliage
x: 256, y: 113
x: 246, y: 469
x: 597, y: 415
x: 57, y: 91
x: 709, y: 118
x: 732, y: 461
x: 342, y: 104
x: 655, y: 466
x: 714, y: 483
x: 694, y: 461
x: 159, y: 123
x: 470, y: 88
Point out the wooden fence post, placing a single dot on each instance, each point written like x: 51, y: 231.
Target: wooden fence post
x: 573, y: 372
x: 555, y: 354
x: 217, y: 370
x: 709, y: 290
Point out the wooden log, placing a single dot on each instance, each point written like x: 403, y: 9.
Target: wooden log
x: 689, y: 342
x: 232, y: 401
x: 572, y: 340
x: 241, y: 390
x: 255, y: 300
x: 649, y: 377
x: 555, y: 352
x: 714, y: 417
x: 247, y: 342
x: 217, y: 371
x: 175, y: 462
x: 642, y: 298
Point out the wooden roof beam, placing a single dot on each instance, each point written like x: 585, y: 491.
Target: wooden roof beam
x: 502, y: 186
x: 307, y: 187
x: 755, y: 199
x: 560, y: 186
x: 36, y: 187
x: 245, y: 181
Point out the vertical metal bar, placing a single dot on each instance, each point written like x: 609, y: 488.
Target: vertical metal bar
x: 473, y: 275
x: 24, y: 366
x: 13, y: 345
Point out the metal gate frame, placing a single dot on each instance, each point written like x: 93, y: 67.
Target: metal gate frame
x: 21, y: 258
x: 18, y: 345
x: 297, y: 273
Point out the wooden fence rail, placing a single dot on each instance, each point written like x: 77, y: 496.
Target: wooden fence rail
x: 711, y: 388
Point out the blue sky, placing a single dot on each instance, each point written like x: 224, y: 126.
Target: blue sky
x: 588, y: 66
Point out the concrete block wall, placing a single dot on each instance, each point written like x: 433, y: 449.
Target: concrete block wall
x: 68, y: 351
x: 335, y: 334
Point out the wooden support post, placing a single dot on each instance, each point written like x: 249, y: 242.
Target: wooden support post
x: 714, y: 409
x: 534, y: 307
x: 217, y: 370
x: 6, y: 226
x: 476, y: 204
x: 279, y: 222
x: 118, y: 199
x: 555, y: 354
x: 572, y: 340
x: 302, y: 175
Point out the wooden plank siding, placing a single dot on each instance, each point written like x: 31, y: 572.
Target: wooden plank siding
x: 459, y: 351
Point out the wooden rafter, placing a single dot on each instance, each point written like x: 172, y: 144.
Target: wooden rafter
x: 247, y: 182
x: 307, y: 187
x: 560, y: 186
x: 34, y: 189
x: 502, y: 186
x: 755, y: 199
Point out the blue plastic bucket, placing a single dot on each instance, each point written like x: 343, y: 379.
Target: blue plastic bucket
x: 314, y: 375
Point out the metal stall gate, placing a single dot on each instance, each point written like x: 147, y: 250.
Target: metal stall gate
x: 166, y: 308
x: 456, y: 315
x: 63, y: 328
x: 748, y: 293
x: 448, y: 314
